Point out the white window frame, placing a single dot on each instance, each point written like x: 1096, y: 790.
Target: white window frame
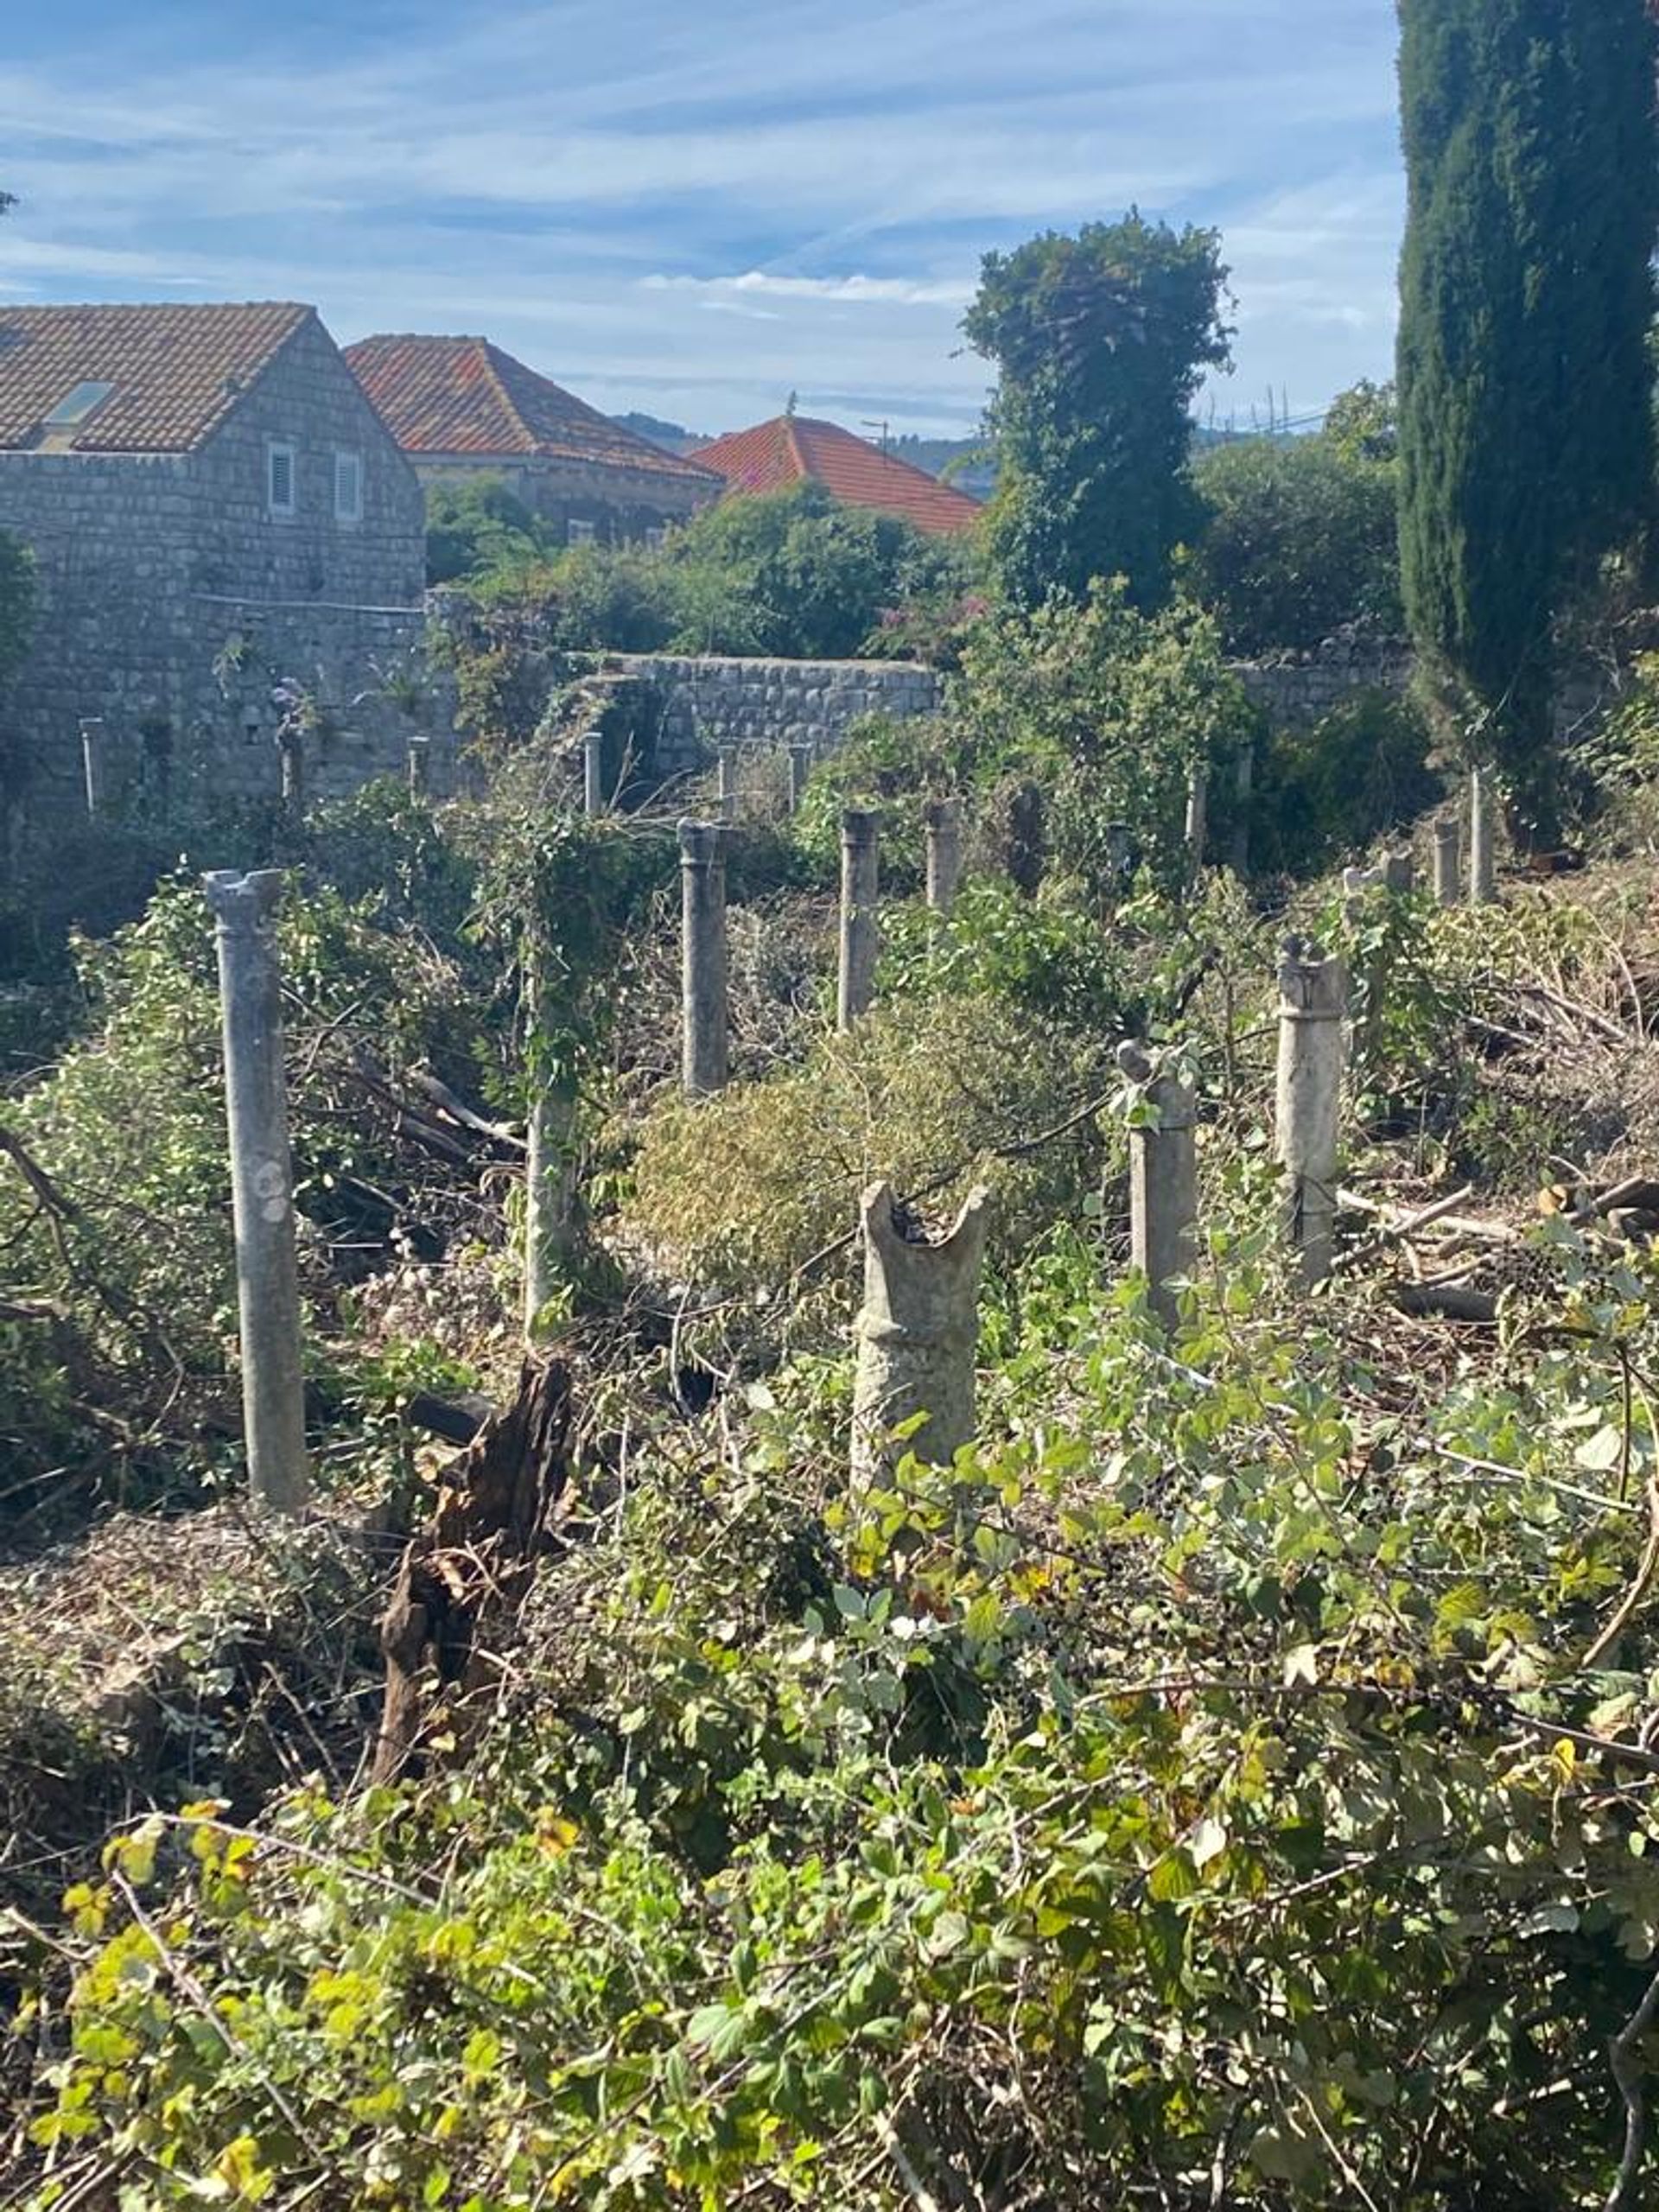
x: 278, y: 510
x: 578, y: 532
x: 355, y: 512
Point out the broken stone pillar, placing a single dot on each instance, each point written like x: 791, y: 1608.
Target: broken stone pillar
x: 1448, y: 861
x: 943, y: 823
x: 1356, y: 882
x: 727, y: 785
x: 592, y: 772
x: 915, y: 1334
x: 800, y: 771
x: 550, y: 1160
x: 420, y: 766
x: 94, y: 766
x: 704, y: 1036
x: 262, y: 1184
x: 290, y: 751
x: 1197, y: 820
x: 861, y: 830
x: 1243, y: 798
x: 1313, y: 997
x: 1163, y: 1184
x: 1483, y: 833
x: 1400, y: 872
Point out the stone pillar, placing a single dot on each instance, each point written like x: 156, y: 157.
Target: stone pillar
x: 943, y: 821
x: 94, y: 766
x: 1311, y: 1002
x: 1163, y: 1184
x: 1483, y: 850
x: 1243, y: 798
x: 290, y: 748
x: 262, y: 1184
x: 1197, y: 820
x: 550, y: 1163
x: 592, y: 772
x: 704, y: 1039
x: 420, y: 767
x: 861, y: 829
x: 800, y: 771
x: 1400, y: 872
x: 1119, y: 852
x: 727, y: 785
x: 1448, y: 861
x: 916, y: 1335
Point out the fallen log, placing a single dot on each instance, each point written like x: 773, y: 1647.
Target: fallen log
x: 1446, y: 1302
x: 462, y: 1581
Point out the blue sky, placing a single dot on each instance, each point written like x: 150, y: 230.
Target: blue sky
x: 696, y: 210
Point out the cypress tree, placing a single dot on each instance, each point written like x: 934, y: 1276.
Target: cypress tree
x: 1526, y: 434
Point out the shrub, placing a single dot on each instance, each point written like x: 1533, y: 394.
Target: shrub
x: 1359, y: 772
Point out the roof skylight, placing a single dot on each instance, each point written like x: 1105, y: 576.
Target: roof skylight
x: 76, y: 406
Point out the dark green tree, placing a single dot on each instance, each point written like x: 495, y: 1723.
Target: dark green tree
x: 1101, y: 342
x: 1526, y: 437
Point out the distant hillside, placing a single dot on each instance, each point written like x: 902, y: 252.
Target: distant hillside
x: 673, y: 437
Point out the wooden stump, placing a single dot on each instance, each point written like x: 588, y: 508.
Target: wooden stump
x: 463, y: 1580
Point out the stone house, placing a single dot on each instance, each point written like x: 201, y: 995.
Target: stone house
x: 461, y: 407
x: 793, y: 449
x: 215, y: 512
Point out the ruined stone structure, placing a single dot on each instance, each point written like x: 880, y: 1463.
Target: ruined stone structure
x: 216, y: 513
x: 770, y: 705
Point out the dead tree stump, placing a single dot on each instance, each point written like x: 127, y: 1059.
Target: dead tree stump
x: 464, y: 1578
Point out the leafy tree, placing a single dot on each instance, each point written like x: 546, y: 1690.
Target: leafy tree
x: 475, y: 527
x: 1527, y: 444
x: 1100, y: 341
x: 1300, y: 538
x: 1364, y: 422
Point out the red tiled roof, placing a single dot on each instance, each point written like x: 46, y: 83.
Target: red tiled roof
x: 465, y: 395
x: 175, y: 372
x: 795, y: 449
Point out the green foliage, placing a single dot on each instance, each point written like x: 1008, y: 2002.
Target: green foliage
x: 1300, y: 539
x: 1363, y: 422
x: 1333, y: 788
x: 475, y: 527
x: 920, y: 1091
x: 1100, y: 343
x: 1526, y: 435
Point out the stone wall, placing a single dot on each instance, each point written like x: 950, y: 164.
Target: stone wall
x: 704, y: 704
x: 170, y: 602
x: 1295, y: 690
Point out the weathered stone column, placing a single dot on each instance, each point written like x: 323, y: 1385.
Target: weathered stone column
x: 1311, y: 1002
x: 704, y: 1033
x: 1163, y: 1184
x: 1448, y: 861
x: 550, y: 1163
x: 860, y: 865
x: 1243, y: 798
x: 592, y: 772
x: 262, y: 1184
x: 290, y: 751
x: 916, y: 1335
x: 94, y: 766
x: 1197, y: 820
x: 420, y: 766
x: 1483, y: 847
x: 1400, y: 872
x: 800, y: 771
x: 943, y: 824
x: 728, y: 784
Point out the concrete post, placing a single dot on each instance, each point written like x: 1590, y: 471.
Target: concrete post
x: 1163, y: 1184
x: 94, y: 766
x: 704, y: 1036
x: 592, y: 772
x: 1356, y: 882
x: 944, y: 822
x: 727, y: 785
x: 916, y: 1335
x: 290, y: 746
x: 420, y: 767
x: 861, y: 829
x: 262, y: 1184
x: 1400, y: 872
x: 1483, y: 850
x: 1119, y: 852
x: 1448, y: 861
x: 1311, y: 1002
x: 549, y: 1164
x: 1197, y: 820
x: 1243, y: 798
x: 800, y: 771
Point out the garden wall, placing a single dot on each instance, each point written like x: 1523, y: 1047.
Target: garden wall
x: 706, y: 702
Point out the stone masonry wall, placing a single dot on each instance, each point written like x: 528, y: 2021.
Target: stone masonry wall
x: 170, y: 600
x: 707, y: 703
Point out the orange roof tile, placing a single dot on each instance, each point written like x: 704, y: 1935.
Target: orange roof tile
x: 175, y: 373
x: 466, y: 395
x: 795, y: 450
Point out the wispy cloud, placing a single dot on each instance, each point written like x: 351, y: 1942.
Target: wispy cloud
x: 817, y: 183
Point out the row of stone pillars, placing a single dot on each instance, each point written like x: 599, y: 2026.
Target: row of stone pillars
x: 96, y: 779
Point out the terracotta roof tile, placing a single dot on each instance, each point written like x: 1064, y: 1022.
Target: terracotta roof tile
x: 795, y: 450
x: 175, y: 372
x: 466, y: 395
